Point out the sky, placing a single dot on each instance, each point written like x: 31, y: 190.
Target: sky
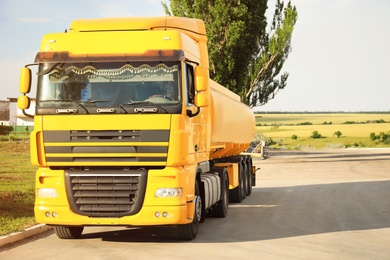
x: 340, y: 58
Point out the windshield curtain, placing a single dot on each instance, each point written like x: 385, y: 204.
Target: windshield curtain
x: 108, y: 84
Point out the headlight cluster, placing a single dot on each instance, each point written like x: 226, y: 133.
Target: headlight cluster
x: 44, y: 193
x: 168, y: 192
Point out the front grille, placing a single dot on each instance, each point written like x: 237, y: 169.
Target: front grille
x: 106, y: 193
x: 106, y: 147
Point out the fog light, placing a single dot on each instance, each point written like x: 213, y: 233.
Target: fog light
x: 165, y: 214
x: 54, y: 214
x: 157, y: 214
x: 47, y: 214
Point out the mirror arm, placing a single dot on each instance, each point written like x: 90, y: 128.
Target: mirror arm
x: 26, y: 114
x: 190, y: 114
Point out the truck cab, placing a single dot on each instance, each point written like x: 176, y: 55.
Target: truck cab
x: 123, y: 128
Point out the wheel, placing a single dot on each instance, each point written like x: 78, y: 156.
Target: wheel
x: 249, y: 177
x: 221, y: 208
x: 65, y: 232
x: 189, y: 231
x: 246, y: 178
x: 238, y: 193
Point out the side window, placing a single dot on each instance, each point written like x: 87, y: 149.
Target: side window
x: 190, y: 83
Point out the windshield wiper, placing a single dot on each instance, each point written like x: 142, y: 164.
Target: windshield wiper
x: 67, y: 101
x: 57, y: 100
x: 94, y: 101
x: 146, y: 103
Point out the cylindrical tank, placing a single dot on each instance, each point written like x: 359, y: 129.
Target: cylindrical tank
x: 233, y: 123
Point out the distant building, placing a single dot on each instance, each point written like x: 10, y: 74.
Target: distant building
x: 4, y: 112
x: 10, y: 114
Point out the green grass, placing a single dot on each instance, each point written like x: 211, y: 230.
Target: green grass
x: 16, y: 186
x: 281, y: 127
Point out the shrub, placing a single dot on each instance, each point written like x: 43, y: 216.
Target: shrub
x: 305, y: 123
x: 316, y: 135
x: 279, y: 141
x: 294, y: 137
x: 5, y: 129
x: 383, y: 137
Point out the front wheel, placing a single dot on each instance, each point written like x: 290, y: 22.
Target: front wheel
x: 189, y: 231
x: 65, y: 232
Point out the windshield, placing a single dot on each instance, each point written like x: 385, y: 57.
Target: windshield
x: 86, y: 86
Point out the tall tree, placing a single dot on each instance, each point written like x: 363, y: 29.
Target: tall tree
x: 244, y: 57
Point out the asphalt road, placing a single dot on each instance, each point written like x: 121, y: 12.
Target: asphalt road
x: 306, y: 205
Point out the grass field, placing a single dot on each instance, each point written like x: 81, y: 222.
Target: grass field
x: 281, y: 127
x: 16, y: 187
x: 335, y: 118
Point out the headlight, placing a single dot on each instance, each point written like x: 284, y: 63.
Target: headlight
x: 168, y: 192
x: 45, y: 193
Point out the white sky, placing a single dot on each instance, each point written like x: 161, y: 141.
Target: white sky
x: 339, y: 62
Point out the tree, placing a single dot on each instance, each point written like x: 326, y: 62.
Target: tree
x: 338, y: 134
x: 243, y: 56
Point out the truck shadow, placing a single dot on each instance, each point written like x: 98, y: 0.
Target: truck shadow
x: 282, y: 212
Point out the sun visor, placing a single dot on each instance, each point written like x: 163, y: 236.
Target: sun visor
x: 149, y: 55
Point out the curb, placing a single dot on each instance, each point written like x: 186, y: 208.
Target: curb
x: 28, y: 232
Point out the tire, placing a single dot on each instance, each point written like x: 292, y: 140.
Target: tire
x: 220, y: 209
x: 245, y: 179
x: 249, y: 177
x: 237, y: 194
x: 189, y: 231
x: 65, y: 232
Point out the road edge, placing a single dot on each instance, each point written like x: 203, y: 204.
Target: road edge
x: 18, y: 236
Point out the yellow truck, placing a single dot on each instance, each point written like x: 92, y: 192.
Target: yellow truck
x: 129, y: 130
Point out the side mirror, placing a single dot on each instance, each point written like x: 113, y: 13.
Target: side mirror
x: 201, y: 100
x: 201, y: 78
x: 23, y: 102
x: 25, y: 81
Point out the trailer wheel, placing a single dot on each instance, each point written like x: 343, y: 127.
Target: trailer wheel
x: 249, y: 177
x: 189, y: 231
x: 221, y: 208
x: 238, y: 193
x: 65, y: 232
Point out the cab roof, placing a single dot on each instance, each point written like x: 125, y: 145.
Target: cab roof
x: 139, y: 23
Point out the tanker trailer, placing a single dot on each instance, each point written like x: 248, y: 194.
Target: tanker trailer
x: 232, y: 130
